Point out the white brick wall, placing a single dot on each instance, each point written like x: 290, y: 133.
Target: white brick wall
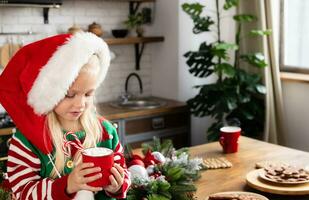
x: 109, y: 15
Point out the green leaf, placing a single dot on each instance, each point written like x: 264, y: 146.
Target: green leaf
x: 202, y: 24
x: 4, y: 194
x: 201, y: 62
x: 248, y: 115
x: 256, y: 59
x: 220, y: 49
x: 183, y: 188
x: 226, y: 68
x: 166, y: 147
x: 220, y: 53
x: 163, y: 185
x: 194, y: 10
x: 175, y: 173
x: 230, y: 3
x: 166, y: 194
x: 226, y: 46
x: 154, y: 187
x: 245, y: 18
x: 134, y: 20
x: 261, y: 88
x: 214, y: 130
x: 260, y: 32
x: 244, y: 98
x: 156, y: 197
x: 231, y: 103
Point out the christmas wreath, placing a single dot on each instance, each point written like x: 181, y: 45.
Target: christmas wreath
x: 162, y: 173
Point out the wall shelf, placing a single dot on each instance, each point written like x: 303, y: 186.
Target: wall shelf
x: 7, y: 131
x: 133, y: 40
x: 139, y: 43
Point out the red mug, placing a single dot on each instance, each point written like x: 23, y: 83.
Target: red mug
x: 101, y: 157
x: 229, y: 138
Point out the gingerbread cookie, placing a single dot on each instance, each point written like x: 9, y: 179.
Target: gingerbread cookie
x: 285, y: 174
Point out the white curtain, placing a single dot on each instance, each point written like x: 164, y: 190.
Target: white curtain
x: 263, y: 9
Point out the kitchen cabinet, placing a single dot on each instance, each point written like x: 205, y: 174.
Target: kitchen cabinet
x: 136, y: 130
x: 171, y: 121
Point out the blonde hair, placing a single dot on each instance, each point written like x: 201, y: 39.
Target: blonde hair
x: 89, y: 121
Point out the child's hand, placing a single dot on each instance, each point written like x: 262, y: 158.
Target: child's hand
x: 116, y: 179
x: 77, y: 181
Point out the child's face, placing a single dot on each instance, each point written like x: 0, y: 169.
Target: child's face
x: 78, y: 98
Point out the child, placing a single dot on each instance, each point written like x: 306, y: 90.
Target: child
x: 47, y: 88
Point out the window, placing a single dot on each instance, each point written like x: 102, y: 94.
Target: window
x: 295, y: 36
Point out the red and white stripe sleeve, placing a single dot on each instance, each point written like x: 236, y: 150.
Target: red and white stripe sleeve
x: 23, y: 169
x: 127, y: 182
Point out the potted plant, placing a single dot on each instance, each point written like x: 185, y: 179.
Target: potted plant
x: 237, y: 95
x: 135, y: 21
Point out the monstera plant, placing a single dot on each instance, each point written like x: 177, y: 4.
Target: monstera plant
x: 238, y: 95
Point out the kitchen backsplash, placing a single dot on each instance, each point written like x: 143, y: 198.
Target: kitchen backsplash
x: 109, y: 15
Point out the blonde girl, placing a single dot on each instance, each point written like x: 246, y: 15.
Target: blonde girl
x: 50, y: 86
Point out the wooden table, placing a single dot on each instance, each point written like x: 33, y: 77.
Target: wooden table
x: 250, y: 152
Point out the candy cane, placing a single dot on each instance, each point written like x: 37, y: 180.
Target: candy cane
x: 66, y: 143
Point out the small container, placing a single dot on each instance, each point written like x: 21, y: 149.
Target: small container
x: 96, y: 29
x: 120, y: 33
x: 74, y: 29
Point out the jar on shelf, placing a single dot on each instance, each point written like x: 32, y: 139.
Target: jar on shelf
x: 96, y: 29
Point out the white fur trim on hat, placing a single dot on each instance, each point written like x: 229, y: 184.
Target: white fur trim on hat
x: 56, y: 77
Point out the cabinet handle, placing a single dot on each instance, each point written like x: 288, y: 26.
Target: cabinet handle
x: 158, y: 123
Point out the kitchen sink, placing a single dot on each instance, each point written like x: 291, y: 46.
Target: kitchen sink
x: 138, y: 104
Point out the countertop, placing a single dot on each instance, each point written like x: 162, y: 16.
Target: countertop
x: 113, y: 113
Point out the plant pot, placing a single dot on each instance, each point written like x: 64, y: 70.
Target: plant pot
x: 139, y: 31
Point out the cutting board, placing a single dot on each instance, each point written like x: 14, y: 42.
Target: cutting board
x: 7, y: 52
x: 254, y: 181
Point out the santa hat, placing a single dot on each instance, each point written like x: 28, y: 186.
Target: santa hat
x: 39, y: 75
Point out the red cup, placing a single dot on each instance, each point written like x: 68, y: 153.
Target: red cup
x: 101, y: 157
x: 229, y: 138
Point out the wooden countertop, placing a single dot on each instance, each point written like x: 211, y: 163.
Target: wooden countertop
x: 234, y: 179
x: 112, y: 113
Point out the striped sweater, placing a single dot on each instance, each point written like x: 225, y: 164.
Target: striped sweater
x: 28, y: 169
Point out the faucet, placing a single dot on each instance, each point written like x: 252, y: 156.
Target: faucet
x: 125, y: 97
x: 139, y: 81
